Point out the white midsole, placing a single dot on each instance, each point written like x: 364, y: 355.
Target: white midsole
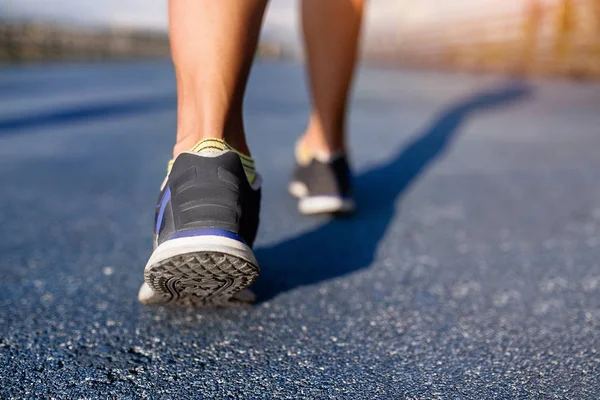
x: 196, y: 244
x: 318, y: 204
x: 324, y: 204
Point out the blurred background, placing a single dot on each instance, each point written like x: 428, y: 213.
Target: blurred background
x: 470, y: 269
x: 517, y: 36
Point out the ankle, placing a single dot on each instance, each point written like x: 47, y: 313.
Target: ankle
x: 238, y: 142
x: 186, y: 143
x: 195, y: 125
x: 321, y: 139
x: 317, y: 144
x: 305, y: 152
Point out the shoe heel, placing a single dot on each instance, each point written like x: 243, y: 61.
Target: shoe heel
x: 201, y: 270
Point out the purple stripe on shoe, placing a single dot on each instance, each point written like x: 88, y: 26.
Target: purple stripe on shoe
x: 161, y: 211
x: 207, y: 232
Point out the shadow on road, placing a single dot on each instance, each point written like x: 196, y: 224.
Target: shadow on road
x: 343, y: 246
x: 87, y: 112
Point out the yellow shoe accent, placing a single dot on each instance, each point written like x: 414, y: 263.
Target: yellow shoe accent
x: 221, y: 145
x: 302, y: 153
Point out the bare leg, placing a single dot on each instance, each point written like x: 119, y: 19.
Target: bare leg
x: 213, y: 44
x: 331, y: 32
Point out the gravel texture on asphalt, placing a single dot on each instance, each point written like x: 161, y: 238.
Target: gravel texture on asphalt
x: 471, y: 270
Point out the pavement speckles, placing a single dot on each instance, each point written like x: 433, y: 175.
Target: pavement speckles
x: 470, y: 272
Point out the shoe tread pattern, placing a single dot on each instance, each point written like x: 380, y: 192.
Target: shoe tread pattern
x: 201, y: 278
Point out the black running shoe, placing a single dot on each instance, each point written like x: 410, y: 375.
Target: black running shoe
x: 206, y: 223
x: 323, y: 186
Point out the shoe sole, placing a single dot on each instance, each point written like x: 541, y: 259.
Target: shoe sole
x: 200, y: 271
x: 310, y: 205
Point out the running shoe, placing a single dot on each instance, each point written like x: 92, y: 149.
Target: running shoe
x: 206, y: 222
x: 322, y: 184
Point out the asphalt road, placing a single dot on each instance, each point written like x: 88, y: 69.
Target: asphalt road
x: 471, y: 270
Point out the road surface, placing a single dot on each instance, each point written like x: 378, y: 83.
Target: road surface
x: 471, y: 271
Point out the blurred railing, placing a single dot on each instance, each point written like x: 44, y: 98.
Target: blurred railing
x: 557, y: 38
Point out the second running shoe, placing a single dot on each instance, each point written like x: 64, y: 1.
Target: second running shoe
x: 322, y: 184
